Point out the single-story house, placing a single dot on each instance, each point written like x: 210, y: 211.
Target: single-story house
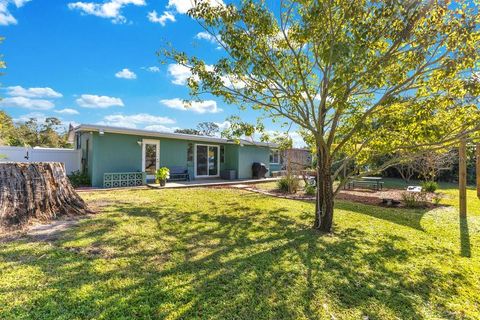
x: 110, y: 150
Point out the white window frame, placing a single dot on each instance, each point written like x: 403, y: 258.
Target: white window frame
x: 195, y: 160
x: 278, y: 156
x: 157, y: 162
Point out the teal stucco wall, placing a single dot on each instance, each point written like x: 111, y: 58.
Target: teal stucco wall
x: 247, y: 155
x: 113, y: 152
x: 275, y: 167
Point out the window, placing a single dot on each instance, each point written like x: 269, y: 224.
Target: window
x: 274, y: 156
x: 222, y: 154
x: 79, y: 140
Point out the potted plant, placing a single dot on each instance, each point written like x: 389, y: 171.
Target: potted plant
x: 162, y: 175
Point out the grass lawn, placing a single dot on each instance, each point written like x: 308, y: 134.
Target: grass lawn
x: 231, y: 254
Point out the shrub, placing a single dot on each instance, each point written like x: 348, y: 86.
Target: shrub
x: 310, y: 190
x: 414, y: 199
x: 288, y: 184
x: 162, y: 174
x: 79, y: 179
x: 429, y: 186
x: 437, y: 198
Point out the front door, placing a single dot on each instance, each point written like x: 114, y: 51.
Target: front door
x: 150, y: 157
x: 207, y: 160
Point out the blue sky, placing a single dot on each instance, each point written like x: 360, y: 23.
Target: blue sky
x: 95, y: 61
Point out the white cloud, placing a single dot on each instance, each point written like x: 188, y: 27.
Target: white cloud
x: 233, y: 82
x: 46, y: 92
x: 223, y: 125
x: 297, y: 139
x: 153, y: 69
x: 179, y: 73
x: 210, y: 38
x: 133, y: 121
x: 68, y: 111
x: 206, y: 36
x: 40, y: 117
x: 182, y: 6
x: 126, y: 74
x: 140, y: 118
x: 207, y: 106
x: 100, y: 102
x: 6, y: 17
x: 109, y: 9
x: 27, y: 103
x: 166, y: 16
x: 178, y: 6
x: 160, y: 128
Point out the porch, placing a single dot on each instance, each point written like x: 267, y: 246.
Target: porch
x: 207, y: 183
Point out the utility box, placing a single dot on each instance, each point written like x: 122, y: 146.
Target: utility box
x: 228, y: 174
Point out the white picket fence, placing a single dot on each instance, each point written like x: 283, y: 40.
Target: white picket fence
x: 71, y: 158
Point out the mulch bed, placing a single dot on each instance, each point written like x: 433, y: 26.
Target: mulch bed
x: 359, y: 195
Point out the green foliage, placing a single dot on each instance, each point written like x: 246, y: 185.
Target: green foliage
x: 310, y: 190
x: 437, y: 198
x: 174, y: 255
x: 6, y: 128
x: 188, y: 131
x: 393, y: 71
x: 162, y: 174
x: 239, y: 128
x: 203, y: 129
x: 288, y: 184
x: 208, y: 128
x: 363, y: 79
x: 79, y: 179
x: 429, y: 186
x: 50, y: 133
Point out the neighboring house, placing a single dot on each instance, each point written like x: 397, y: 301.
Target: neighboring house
x: 299, y: 157
x: 120, y: 150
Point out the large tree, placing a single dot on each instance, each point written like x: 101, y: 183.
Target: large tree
x: 203, y: 129
x: 362, y: 78
x: 49, y: 133
x: 7, y: 128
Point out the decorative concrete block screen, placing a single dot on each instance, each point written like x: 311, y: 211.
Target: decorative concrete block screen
x: 123, y: 179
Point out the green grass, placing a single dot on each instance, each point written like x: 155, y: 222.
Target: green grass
x: 231, y: 254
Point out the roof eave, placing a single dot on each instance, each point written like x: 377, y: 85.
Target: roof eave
x: 179, y: 136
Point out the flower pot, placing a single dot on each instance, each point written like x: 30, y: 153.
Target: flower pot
x: 162, y: 183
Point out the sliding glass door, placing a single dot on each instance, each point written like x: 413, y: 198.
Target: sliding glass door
x: 207, y: 160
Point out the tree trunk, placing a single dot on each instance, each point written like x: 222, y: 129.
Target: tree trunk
x: 324, y: 197
x: 477, y: 151
x: 462, y: 176
x: 38, y: 190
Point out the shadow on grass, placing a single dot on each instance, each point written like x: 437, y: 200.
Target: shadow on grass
x: 402, y: 216
x: 236, y: 262
x: 465, y: 249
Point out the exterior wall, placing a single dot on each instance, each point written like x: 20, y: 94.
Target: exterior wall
x: 231, y: 157
x: 113, y: 152
x: 275, y: 167
x: 247, y: 155
x: 69, y: 157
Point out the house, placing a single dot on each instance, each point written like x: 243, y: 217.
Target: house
x: 299, y: 158
x: 129, y: 152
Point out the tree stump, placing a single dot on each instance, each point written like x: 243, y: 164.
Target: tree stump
x: 36, y: 190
